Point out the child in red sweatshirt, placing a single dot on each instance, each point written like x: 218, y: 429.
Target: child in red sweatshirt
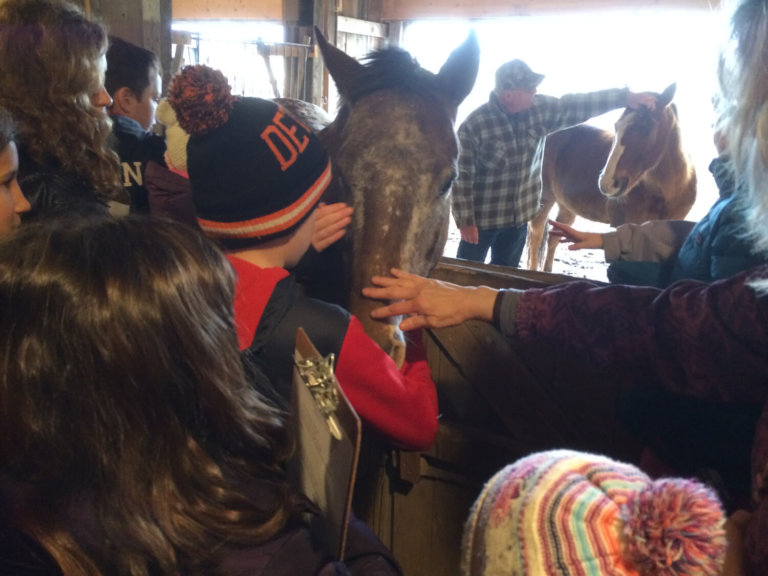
x: 257, y: 176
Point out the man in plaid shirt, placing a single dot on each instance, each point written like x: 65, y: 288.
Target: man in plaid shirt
x: 502, y: 144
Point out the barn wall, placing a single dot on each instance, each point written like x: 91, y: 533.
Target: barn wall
x: 142, y: 23
x: 285, y: 10
x: 382, y: 10
x: 146, y: 23
x: 420, y: 9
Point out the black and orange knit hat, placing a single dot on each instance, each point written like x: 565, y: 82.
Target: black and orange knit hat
x: 256, y: 172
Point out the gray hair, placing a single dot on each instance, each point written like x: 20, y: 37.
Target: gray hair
x: 743, y: 107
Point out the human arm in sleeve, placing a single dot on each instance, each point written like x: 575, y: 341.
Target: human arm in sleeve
x: 681, y: 334
x: 653, y: 241
x: 399, y: 404
x: 705, y: 340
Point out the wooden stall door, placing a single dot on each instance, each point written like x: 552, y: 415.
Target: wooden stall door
x: 358, y: 37
x: 497, y: 402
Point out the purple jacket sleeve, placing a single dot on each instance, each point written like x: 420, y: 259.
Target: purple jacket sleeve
x: 705, y: 340
x: 653, y: 241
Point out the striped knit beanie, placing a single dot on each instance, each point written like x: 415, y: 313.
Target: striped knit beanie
x: 256, y: 172
x: 564, y: 513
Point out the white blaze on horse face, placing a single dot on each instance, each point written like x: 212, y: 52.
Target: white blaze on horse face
x: 395, y: 157
x: 396, y: 132
x: 429, y: 207
x: 608, y: 184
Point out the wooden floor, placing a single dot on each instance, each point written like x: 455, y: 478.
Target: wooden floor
x: 497, y: 403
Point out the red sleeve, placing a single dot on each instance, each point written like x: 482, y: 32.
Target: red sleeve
x: 400, y: 404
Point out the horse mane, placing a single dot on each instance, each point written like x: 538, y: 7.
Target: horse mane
x: 391, y: 68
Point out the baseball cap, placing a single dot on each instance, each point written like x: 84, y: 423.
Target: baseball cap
x: 517, y: 75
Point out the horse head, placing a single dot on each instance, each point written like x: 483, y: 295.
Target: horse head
x: 639, y: 144
x: 394, y: 152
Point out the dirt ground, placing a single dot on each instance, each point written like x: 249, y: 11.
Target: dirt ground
x: 588, y: 264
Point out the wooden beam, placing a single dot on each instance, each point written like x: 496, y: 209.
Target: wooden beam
x: 227, y: 10
x: 360, y: 27
x: 423, y: 9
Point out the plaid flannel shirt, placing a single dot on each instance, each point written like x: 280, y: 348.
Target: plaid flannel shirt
x: 499, y: 182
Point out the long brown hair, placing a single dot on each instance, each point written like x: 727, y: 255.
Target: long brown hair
x: 49, y: 67
x: 7, y: 130
x: 124, y: 404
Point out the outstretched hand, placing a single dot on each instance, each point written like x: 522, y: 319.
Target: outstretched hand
x: 331, y: 224
x: 427, y: 302
x: 580, y: 240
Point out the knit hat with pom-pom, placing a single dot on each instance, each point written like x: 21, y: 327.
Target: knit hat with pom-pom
x: 256, y: 172
x: 563, y: 513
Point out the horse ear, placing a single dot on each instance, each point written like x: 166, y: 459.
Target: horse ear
x: 666, y: 97
x: 459, y: 72
x: 343, y: 68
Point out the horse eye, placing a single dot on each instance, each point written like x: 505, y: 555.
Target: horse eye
x: 645, y: 128
x: 645, y: 122
x: 445, y: 188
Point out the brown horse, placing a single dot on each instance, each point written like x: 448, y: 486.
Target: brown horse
x: 394, y: 153
x: 641, y: 173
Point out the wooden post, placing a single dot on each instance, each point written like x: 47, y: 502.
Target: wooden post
x: 146, y: 23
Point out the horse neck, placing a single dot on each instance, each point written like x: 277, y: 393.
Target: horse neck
x: 332, y: 137
x: 673, y: 177
x: 674, y: 166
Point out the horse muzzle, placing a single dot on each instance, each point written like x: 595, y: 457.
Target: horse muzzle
x: 614, y: 187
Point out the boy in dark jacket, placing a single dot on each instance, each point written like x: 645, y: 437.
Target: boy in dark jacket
x: 133, y: 79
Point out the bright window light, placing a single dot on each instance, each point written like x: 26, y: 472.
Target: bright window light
x: 231, y: 30
x: 643, y: 49
x: 233, y: 48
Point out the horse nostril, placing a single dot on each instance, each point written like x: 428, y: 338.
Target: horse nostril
x: 621, y: 184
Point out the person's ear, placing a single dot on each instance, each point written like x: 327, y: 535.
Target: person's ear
x: 124, y: 101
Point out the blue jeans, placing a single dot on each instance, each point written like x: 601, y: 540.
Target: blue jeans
x: 506, y: 246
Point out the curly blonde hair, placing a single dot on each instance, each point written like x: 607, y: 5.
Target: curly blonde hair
x: 50, y: 54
